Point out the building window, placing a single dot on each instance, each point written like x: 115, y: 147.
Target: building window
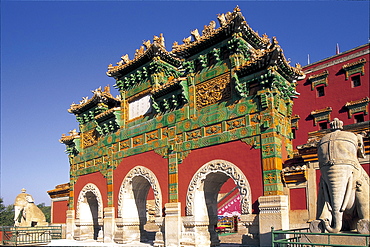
x: 323, y: 125
x: 359, y: 118
x: 320, y: 91
x: 358, y: 107
x: 321, y: 116
x: 356, y: 81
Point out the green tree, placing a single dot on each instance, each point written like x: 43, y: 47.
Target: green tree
x: 46, y: 210
x: 6, y: 214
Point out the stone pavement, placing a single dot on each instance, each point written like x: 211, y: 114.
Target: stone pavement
x: 65, y: 242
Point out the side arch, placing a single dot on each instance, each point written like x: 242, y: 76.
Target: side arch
x: 230, y: 170
x: 127, y: 186
x: 89, y: 188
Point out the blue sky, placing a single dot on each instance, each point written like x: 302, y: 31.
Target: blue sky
x: 55, y: 53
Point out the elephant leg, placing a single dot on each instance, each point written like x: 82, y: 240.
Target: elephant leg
x: 322, y: 211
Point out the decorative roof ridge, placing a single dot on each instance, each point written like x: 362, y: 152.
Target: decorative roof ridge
x: 107, y: 112
x: 360, y: 61
x: 152, y: 49
x: 356, y: 102
x: 188, y: 43
x: 99, y: 95
x: 321, y: 110
x: 73, y: 134
x: 229, y: 22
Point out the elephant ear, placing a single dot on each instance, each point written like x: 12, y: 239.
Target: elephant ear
x: 29, y: 199
x: 360, y: 148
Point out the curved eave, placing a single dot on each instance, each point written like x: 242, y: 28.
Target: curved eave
x: 166, y: 88
x: 106, y: 115
x: 274, y: 57
x: 263, y: 62
x: 76, y: 109
x: 154, y: 50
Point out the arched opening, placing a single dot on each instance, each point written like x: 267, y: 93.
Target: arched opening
x: 89, y: 213
x: 141, y: 187
x: 133, y: 209
x: 203, y: 197
x: 93, y: 205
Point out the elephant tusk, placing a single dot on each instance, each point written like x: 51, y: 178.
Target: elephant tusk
x: 347, y: 195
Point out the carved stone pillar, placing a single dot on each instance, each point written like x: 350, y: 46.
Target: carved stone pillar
x: 273, y: 212
x: 109, y: 224
x: 70, y: 224
x: 173, y: 224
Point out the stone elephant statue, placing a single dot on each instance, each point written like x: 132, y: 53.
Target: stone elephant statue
x: 343, y: 199
x: 26, y: 212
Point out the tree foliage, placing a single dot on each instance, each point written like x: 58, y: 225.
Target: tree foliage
x: 46, y: 210
x: 6, y: 214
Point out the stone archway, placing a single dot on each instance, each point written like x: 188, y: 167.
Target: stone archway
x: 89, y: 213
x: 201, y: 199
x: 132, y: 204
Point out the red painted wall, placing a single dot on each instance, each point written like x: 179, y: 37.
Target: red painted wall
x: 59, y: 212
x: 338, y: 92
x: 96, y: 178
x: 152, y: 161
x: 298, y: 199
x: 238, y: 153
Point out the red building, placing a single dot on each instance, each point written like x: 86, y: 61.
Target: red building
x: 335, y: 87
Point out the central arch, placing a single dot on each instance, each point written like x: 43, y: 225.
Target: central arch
x: 201, y: 199
x: 132, y: 203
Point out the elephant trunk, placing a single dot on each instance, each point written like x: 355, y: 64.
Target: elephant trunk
x: 339, y: 182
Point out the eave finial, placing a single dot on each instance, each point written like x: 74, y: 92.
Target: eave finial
x: 159, y: 40
x: 146, y: 44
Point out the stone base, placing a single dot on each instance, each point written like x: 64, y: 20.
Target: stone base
x: 340, y: 240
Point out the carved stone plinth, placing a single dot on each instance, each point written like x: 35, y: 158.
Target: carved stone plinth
x: 273, y: 212
x: 127, y: 232
x: 70, y: 224
x: 173, y: 224
x: 109, y: 224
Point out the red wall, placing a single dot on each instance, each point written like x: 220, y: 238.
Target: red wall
x: 298, y: 199
x: 338, y: 92
x: 238, y: 153
x: 59, y: 212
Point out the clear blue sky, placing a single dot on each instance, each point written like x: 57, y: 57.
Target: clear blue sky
x: 55, y: 53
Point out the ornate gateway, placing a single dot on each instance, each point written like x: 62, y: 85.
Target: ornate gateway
x: 221, y: 98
